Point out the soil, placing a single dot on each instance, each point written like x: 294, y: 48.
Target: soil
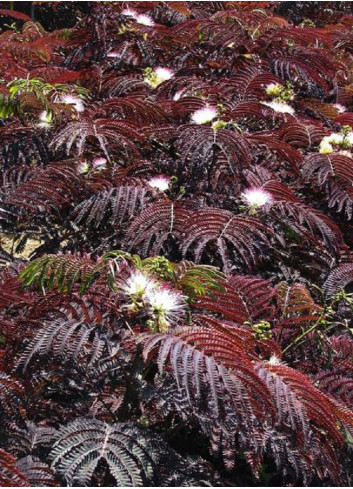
x: 7, y: 243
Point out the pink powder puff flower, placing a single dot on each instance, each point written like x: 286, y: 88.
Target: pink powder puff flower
x: 256, y: 197
x: 204, y: 115
x: 99, y: 163
x: 160, y: 182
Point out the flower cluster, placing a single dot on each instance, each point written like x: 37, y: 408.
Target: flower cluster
x: 204, y: 115
x: 164, y: 305
x: 256, y: 197
x: 280, y: 107
x: 154, y: 77
x: 99, y: 163
x: 142, y: 19
x: 46, y: 119
x: 113, y: 54
x: 274, y: 361
x: 341, y: 108
x: 83, y: 168
x: 343, y: 139
x: 161, y: 182
x: 138, y: 285
x: 75, y: 102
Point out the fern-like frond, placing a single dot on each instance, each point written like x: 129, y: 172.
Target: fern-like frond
x: 249, y: 83
x: 8, y: 107
x: 28, y: 440
x: 49, y: 189
x: 11, y: 291
x: 10, y: 476
x: 301, y: 135
x: 283, y: 151
x: 117, y: 86
x: 11, y: 391
x: 198, y: 280
x: 328, y: 166
x: 335, y: 174
x: 61, y: 272
x: 20, y: 145
x: 114, y: 206
x: 132, y: 108
x: 244, y: 235
x: 30, y: 51
x: 246, y: 335
x: 66, y: 339
x: 296, y: 304
x: 302, y: 218
x: 244, y: 299
x: 193, y: 280
x: 338, y: 382
x: 338, y: 278
x: 14, y: 14
x: 319, y: 408
x: 340, y: 195
x: 37, y: 472
x: 308, y: 70
x: 109, y: 133
x: 212, y: 367
x: 151, y: 229
x: 198, y: 143
x: 290, y: 410
x: 129, y: 451
x: 255, y: 111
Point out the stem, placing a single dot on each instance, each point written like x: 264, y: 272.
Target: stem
x: 210, y: 167
x: 323, y: 314
x: 129, y: 327
x: 130, y: 393
x: 300, y: 337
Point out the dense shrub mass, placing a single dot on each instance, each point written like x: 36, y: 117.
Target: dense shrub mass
x: 176, y: 241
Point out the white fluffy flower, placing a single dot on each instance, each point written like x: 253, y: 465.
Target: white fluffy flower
x: 161, y: 183
x: 45, y: 116
x: 113, y: 54
x: 129, y: 12
x: 138, y: 285
x: 205, y: 115
x: 349, y: 138
x: 158, y: 75
x: 274, y: 360
x: 83, y: 168
x: 335, y: 138
x: 256, y: 197
x: 340, y: 108
x: 165, y: 304
x: 46, y: 119
x: 99, y: 163
x: 139, y: 18
x: 325, y: 147
x: 144, y: 20
x: 74, y: 101
x: 163, y: 74
x: 280, y: 107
